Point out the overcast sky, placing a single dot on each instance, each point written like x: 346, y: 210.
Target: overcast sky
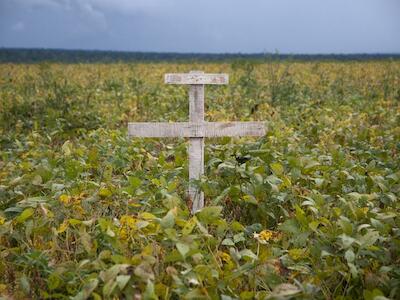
x: 286, y: 26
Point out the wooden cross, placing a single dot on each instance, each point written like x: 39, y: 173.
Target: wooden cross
x: 196, y: 129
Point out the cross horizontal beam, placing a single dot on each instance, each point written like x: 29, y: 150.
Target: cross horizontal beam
x: 187, y: 129
x: 195, y: 78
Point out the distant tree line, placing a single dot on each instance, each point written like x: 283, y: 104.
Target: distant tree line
x: 26, y: 55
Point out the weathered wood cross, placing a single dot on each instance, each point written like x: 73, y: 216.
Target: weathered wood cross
x: 196, y: 129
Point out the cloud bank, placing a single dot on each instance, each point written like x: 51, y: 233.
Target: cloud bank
x: 289, y: 26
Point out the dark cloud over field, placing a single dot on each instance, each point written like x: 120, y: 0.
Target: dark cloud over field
x: 288, y: 26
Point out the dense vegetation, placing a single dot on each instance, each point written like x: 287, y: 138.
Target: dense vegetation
x: 27, y: 55
x: 310, y: 211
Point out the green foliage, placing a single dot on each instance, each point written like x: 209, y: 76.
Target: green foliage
x: 310, y: 211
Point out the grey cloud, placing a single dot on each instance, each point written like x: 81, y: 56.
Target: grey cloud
x: 291, y: 26
x: 19, y: 26
x: 121, y: 6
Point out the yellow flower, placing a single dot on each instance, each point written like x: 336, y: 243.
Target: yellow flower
x: 2, y: 220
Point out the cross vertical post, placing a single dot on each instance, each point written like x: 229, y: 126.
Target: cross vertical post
x: 196, y: 144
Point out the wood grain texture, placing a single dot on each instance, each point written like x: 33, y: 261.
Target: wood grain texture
x: 196, y: 144
x: 196, y: 78
x: 196, y: 170
x: 193, y: 130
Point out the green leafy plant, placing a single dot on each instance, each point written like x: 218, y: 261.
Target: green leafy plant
x: 309, y: 211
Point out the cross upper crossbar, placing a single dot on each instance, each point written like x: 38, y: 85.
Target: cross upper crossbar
x: 196, y: 129
x: 196, y: 78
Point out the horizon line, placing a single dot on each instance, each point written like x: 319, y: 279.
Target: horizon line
x: 201, y: 53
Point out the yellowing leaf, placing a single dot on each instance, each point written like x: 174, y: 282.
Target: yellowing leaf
x: 277, y: 168
x: 26, y: 214
x: 147, y: 216
x: 189, y: 226
x: 63, y: 226
x: 67, y: 148
x: 65, y: 198
x: 128, y: 221
x: 74, y: 222
x: 225, y: 257
x: 236, y: 226
x: 250, y: 199
x: 104, y: 192
x: 264, y: 236
x: 297, y: 254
